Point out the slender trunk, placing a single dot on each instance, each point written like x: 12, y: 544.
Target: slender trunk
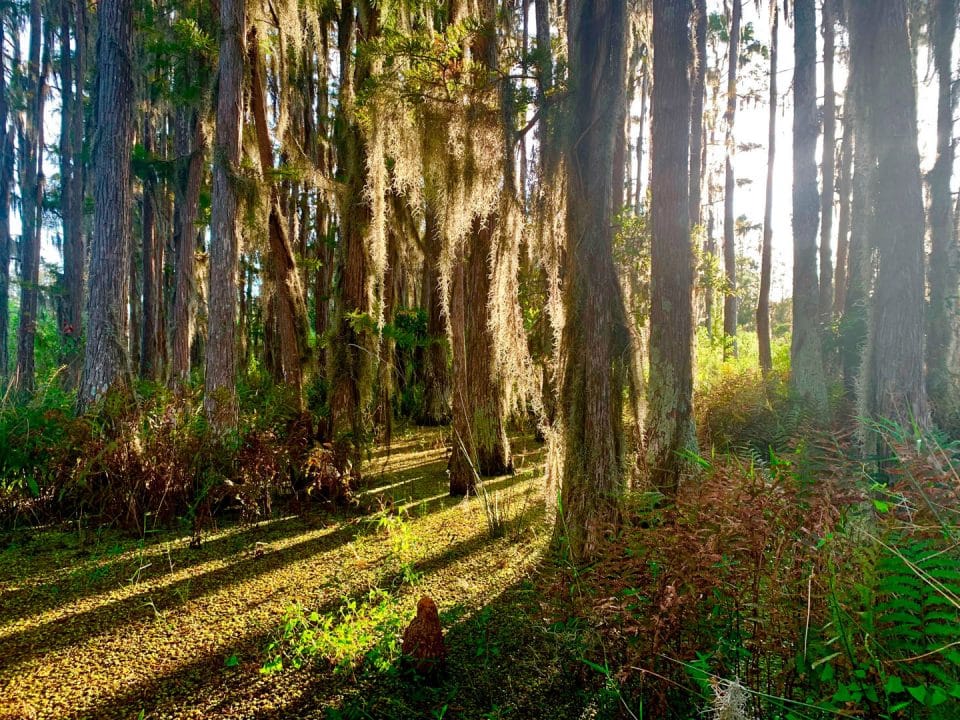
x: 353, y: 344
x: 766, y: 251
x: 190, y: 146
x: 71, y: 189
x: 596, y: 341
x: 31, y: 202
x: 943, y: 314
x: 290, y: 306
x: 105, y: 359
x: 828, y: 167
x: 670, y: 429
x: 220, y: 400
x: 151, y: 268
x: 436, y: 377
x: 698, y: 96
x: 7, y: 137
x: 806, y: 362
x: 730, y: 301
x: 843, y: 218
x: 641, y: 129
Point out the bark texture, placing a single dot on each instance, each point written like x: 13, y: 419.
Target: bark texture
x: 730, y: 300
x: 106, y: 364
x: 220, y: 393
x: 806, y: 362
x: 828, y: 166
x: 670, y: 429
x: 596, y: 342
x: 766, y: 250
x: 892, y: 380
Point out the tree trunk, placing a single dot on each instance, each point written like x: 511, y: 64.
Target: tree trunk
x: 698, y: 95
x: 31, y: 203
x: 7, y: 138
x: 843, y: 190
x: 596, y: 341
x: 766, y: 251
x: 436, y: 377
x: 943, y: 315
x: 806, y: 361
x: 730, y: 301
x: 152, y: 270
x: 670, y: 429
x: 353, y: 345
x: 220, y: 400
x: 828, y: 167
x: 892, y: 376
x: 105, y: 359
x: 72, y: 69
x: 190, y: 148
x: 480, y: 443
x: 290, y: 306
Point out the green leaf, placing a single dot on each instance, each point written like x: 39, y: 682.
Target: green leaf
x: 881, y: 506
x: 893, y: 685
x: 938, y: 696
x: 918, y: 692
x: 231, y: 661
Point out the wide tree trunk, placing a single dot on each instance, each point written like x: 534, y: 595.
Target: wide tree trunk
x: 730, y: 300
x: 766, y: 250
x: 806, y: 361
x: 220, y: 399
x: 670, y: 429
x: 480, y: 444
x: 892, y: 382
x: 828, y: 167
x: 596, y: 340
x: 943, y: 315
x: 31, y: 201
x: 106, y: 364
x: 190, y: 148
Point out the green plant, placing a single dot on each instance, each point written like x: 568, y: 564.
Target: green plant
x: 358, y: 631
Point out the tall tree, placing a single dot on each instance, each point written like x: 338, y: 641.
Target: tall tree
x: 105, y: 359
x: 220, y: 398
x: 151, y: 260
x: 943, y: 315
x: 31, y: 198
x: 892, y: 382
x: 596, y: 341
x: 73, y: 71
x: 844, y: 185
x: 7, y: 139
x: 730, y: 303
x: 436, y: 377
x: 806, y: 362
x: 828, y: 164
x: 698, y: 154
x: 766, y: 251
x: 670, y: 390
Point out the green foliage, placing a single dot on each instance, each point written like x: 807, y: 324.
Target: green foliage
x: 358, y: 632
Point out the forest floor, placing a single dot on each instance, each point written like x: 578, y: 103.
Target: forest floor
x: 101, y: 625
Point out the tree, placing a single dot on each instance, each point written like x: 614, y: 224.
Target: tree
x: 436, y: 377
x: 220, y: 394
x: 828, y: 165
x: 943, y: 315
x: 105, y: 363
x: 670, y: 428
x: 7, y: 138
x: 698, y: 154
x: 766, y: 251
x: 806, y: 362
x: 596, y: 341
x: 729, y: 223
x: 892, y: 382
x: 31, y: 201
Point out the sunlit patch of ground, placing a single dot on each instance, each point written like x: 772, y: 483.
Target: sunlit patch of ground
x: 105, y: 627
